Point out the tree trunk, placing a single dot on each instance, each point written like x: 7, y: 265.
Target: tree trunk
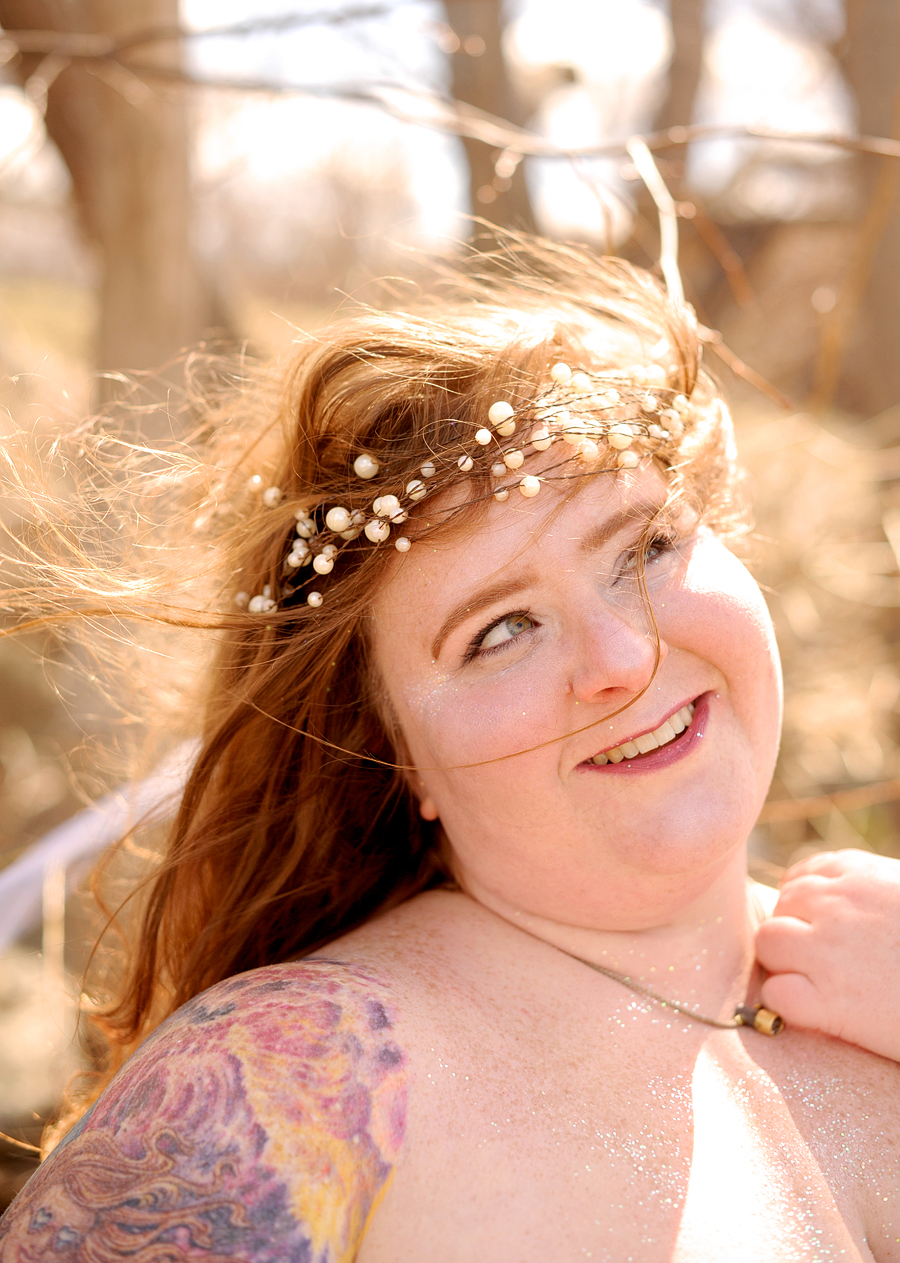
x: 870, y: 378
x: 127, y: 146
x: 688, y: 31
x: 480, y: 79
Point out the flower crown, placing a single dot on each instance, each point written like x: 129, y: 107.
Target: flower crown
x: 600, y: 421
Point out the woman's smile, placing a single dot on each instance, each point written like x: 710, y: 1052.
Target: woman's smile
x: 675, y: 737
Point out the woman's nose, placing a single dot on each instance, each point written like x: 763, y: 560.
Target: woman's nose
x: 618, y: 654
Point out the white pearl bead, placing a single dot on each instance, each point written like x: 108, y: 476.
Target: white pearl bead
x: 401, y: 543
x: 353, y: 533
x: 501, y: 495
x: 315, y: 599
x: 582, y: 384
x: 498, y: 469
x: 628, y: 460
x: 466, y: 464
x: 416, y: 490
x: 530, y: 486
x: 323, y: 564
x: 612, y: 397
x: 540, y: 438
x: 482, y: 437
x: 428, y: 469
x: 514, y: 460
x: 650, y: 403
x: 573, y: 436
x: 300, y: 514
x: 588, y: 450
x: 656, y: 375
x: 300, y: 547
x: 242, y: 599
x: 330, y: 550
x: 267, y: 590
x: 506, y: 428
x: 386, y: 506
x: 620, y: 436
x: 337, y: 519
x: 254, y: 483
x: 271, y: 496
x: 561, y: 373
x: 261, y: 604
x: 365, y: 466
x: 294, y: 560
x: 377, y: 532
x: 681, y: 405
x: 306, y: 528
x: 656, y: 431
x: 638, y: 374
x: 500, y: 412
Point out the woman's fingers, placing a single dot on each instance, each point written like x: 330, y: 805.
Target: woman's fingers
x: 825, y: 864
x: 798, y: 1001
x: 833, y: 949
x: 802, y: 896
x: 785, y: 945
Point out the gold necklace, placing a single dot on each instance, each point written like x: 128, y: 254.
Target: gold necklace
x: 752, y: 1015
x: 760, y: 1019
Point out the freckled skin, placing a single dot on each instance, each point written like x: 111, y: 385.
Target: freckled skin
x: 261, y: 1122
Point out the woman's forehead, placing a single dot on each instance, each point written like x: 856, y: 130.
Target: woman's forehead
x: 511, y: 535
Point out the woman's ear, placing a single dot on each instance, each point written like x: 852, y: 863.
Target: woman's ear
x: 428, y: 808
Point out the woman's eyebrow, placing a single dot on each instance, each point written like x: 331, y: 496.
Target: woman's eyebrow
x: 648, y: 510
x: 501, y: 591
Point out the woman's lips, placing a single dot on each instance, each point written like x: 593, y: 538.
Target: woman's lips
x: 664, y: 755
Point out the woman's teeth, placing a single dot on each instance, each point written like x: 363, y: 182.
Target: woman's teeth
x: 647, y: 741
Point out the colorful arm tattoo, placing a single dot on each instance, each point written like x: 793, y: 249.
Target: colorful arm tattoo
x: 261, y: 1122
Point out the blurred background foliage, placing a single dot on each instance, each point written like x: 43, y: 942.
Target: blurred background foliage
x: 228, y: 172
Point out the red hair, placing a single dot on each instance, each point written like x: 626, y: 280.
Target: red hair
x: 295, y: 824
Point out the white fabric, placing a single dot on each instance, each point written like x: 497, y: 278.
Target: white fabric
x: 74, y: 845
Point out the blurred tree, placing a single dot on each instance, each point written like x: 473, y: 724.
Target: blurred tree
x: 685, y: 68
x: 480, y: 78
x: 127, y: 146
x: 860, y: 361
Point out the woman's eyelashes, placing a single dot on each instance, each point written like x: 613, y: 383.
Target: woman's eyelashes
x: 497, y: 635
x: 660, y: 544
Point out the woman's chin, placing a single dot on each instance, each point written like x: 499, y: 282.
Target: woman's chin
x: 641, y: 890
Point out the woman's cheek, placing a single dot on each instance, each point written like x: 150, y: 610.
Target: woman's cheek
x: 458, y: 722
x: 724, y: 619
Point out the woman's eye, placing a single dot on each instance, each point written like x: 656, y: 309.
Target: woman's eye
x: 657, y: 546
x: 504, y: 631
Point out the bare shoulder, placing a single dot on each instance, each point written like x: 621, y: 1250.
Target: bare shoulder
x: 845, y: 1103
x: 262, y: 1121
x: 822, y: 1075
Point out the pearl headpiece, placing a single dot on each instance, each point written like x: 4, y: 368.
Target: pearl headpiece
x: 606, y: 420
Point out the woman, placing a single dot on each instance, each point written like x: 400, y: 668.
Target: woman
x: 454, y: 921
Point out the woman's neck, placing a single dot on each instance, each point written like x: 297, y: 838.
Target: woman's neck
x: 701, y: 956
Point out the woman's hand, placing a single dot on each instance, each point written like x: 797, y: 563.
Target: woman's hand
x: 832, y: 947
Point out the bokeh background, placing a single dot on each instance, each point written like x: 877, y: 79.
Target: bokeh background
x: 233, y: 170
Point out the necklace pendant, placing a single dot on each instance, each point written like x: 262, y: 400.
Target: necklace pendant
x: 762, y: 1020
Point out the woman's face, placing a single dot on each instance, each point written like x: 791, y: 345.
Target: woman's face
x: 533, y: 628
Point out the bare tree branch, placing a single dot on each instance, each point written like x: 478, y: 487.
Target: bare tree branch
x: 668, y: 216
x: 422, y: 108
